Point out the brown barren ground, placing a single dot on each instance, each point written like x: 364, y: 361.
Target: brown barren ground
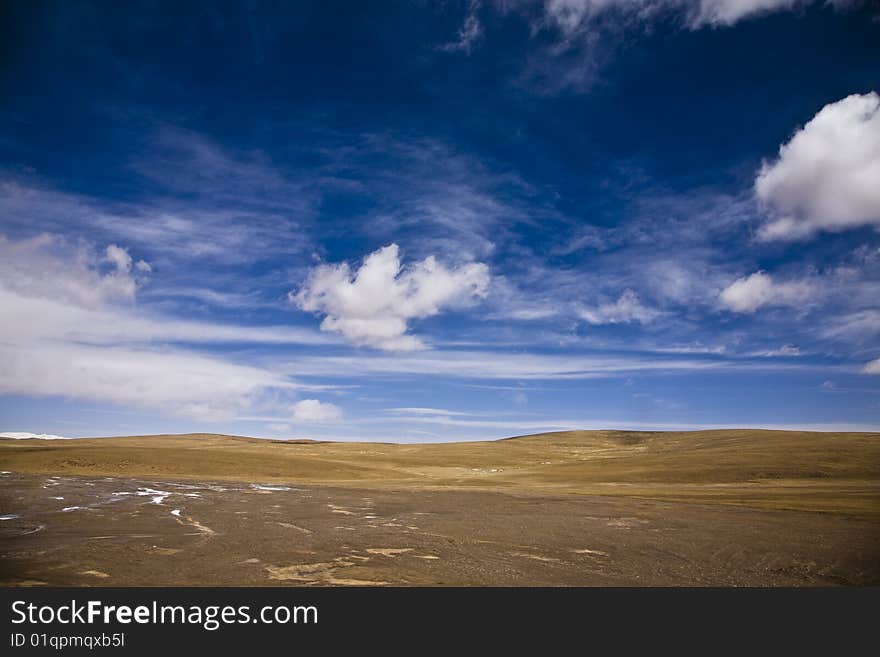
x: 730, y: 507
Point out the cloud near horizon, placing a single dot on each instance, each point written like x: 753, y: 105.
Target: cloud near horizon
x: 313, y: 410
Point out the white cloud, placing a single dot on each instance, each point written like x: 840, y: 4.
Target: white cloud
x: 571, y: 16
x: 48, y: 267
x: 55, y: 291
x: 433, y: 199
x: 788, y: 350
x: 827, y: 176
x: 52, y: 319
x: 627, y: 308
x: 531, y: 313
x: 728, y: 12
x: 470, y: 32
x: 873, y: 367
x: 312, y: 410
x: 486, y: 365
x: 578, y: 38
x: 70, y: 329
x: 119, y: 257
x: 211, y: 203
x: 373, y: 306
x: 749, y: 293
x: 178, y: 382
x: 854, y: 327
x: 513, y: 427
x: 683, y: 282
x: 419, y: 410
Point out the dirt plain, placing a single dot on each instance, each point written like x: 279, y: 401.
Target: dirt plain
x: 608, y: 508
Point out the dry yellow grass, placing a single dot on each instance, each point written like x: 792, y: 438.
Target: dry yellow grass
x: 828, y: 472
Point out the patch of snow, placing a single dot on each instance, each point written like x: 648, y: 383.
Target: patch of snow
x: 273, y: 488
x: 157, y: 495
x: 24, y: 435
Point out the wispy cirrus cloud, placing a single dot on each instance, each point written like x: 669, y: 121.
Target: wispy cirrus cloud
x: 420, y: 410
x: 470, y: 32
x: 857, y: 327
x: 429, y: 196
x: 574, y: 40
x: 74, y: 331
x: 573, y: 16
x: 624, y: 274
x: 472, y: 364
x: 197, y: 199
x: 171, y: 381
x: 69, y: 291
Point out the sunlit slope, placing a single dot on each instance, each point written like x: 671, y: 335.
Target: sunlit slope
x: 778, y: 469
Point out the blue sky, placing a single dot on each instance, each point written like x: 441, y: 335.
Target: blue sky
x: 425, y: 221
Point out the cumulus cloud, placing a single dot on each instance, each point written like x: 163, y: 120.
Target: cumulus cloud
x: 626, y: 309
x: 48, y: 267
x: 872, y: 367
x: 827, y: 176
x: 373, y: 305
x: 747, y: 294
x: 312, y: 410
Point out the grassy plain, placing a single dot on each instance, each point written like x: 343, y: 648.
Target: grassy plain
x: 744, y: 507
x: 831, y: 472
